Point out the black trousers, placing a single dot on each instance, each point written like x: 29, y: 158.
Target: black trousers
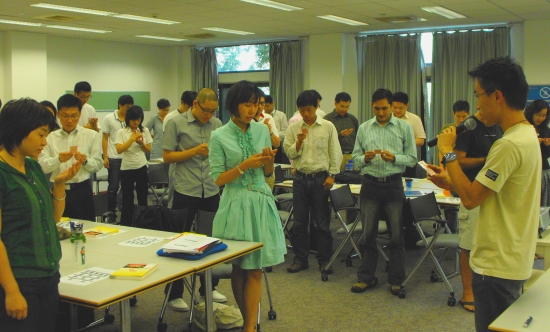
x: 79, y: 203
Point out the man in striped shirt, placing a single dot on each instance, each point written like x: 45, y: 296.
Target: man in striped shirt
x: 385, y: 145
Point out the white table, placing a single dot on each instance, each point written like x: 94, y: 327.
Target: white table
x: 106, y: 253
x: 535, y: 303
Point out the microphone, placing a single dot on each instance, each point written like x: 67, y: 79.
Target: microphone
x: 469, y: 124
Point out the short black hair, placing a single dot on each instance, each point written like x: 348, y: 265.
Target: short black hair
x: 505, y: 75
x: 133, y: 113
x: 401, y: 97
x: 317, y: 94
x: 19, y: 118
x: 47, y: 103
x: 187, y: 97
x: 69, y: 101
x: 82, y: 87
x: 382, y: 94
x: 461, y: 105
x: 535, y: 107
x: 307, y: 98
x: 342, y: 96
x: 268, y: 99
x: 125, y: 100
x: 163, y: 103
x: 240, y: 93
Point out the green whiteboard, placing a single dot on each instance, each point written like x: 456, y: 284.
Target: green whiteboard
x: 104, y: 101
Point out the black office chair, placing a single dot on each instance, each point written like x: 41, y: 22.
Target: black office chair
x: 203, y: 225
x: 425, y: 209
x: 342, y: 199
x: 157, y: 175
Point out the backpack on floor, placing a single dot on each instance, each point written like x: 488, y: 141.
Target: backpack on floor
x: 155, y: 217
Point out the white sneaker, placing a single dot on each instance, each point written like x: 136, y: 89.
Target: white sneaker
x: 178, y: 305
x: 217, y: 297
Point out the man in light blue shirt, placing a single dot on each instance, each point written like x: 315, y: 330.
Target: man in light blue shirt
x: 385, y: 145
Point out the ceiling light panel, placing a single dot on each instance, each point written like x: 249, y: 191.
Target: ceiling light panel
x: 273, y: 4
x: 21, y: 23
x: 235, y: 32
x: 443, y: 12
x: 144, y: 19
x: 341, y: 20
x: 63, y: 27
x: 161, y: 38
x: 73, y: 9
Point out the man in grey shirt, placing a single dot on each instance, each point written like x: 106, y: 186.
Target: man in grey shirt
x: 185, y: 143
x: 346, y: 125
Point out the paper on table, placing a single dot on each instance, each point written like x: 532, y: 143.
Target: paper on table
x: 87, y: 276
x: 141, y: 241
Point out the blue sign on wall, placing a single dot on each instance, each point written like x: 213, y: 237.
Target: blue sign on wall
x: 538, y: 92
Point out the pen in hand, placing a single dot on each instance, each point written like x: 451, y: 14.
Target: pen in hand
x: 528, y: 321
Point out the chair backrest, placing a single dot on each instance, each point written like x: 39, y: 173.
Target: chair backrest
x: 157, y: 174
x: 205, y: 221
x: 342, y: 197
x: 424, y: 207
x: 157, y: 217
x: 100, y: 204
x: 279, y: 174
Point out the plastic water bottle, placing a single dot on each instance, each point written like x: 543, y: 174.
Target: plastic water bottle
x: 349, y: 165
x: 408, y: 186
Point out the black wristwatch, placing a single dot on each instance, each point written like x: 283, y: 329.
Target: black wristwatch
x: 332, y: 175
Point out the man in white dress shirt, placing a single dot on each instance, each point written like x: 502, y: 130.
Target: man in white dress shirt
x: 64, y: 146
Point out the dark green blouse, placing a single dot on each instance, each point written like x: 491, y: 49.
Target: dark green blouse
x: 28, y: 227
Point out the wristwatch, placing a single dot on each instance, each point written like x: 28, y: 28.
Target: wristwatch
x: 332, y: 175
x: 449, y: 156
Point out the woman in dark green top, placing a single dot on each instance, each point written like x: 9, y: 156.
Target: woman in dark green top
x: 29, y: 244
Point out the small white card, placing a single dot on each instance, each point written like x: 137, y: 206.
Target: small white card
x: 87, y: 276
x: 141, y: 241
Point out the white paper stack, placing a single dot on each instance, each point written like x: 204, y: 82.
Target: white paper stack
x: 190, y: 244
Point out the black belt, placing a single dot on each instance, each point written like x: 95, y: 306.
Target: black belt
x: 312, y: 175
x: 72, y: 186
x: 391, y: 178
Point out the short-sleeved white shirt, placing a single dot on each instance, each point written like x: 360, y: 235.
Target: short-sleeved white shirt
x: 505, y: 235
x: 134, y: 157
x: 416, y: 123
x: 111, y: 125
x: 87, y: 112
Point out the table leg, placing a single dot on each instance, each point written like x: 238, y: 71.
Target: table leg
x: 73, y: 316
x: 546, y: 258
x: 210, y: 324
x: 125, y: 319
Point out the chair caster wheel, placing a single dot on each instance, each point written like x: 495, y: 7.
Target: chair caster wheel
x: 272, y: 315
x: 349, y: 263
x: 451, y: 301
x: 162, y: 327
x: 324, y: 276
x: 401, y: 293
x: 434, y: 278
x: 109, y: 319
x: 268, y: 268
x: 133, y: 301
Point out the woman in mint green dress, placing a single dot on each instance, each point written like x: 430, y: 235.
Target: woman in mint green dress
x: 240, y: 157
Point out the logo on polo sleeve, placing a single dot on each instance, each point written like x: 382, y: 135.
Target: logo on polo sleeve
x: 491, y: 175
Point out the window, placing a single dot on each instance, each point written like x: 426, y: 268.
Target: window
x: 243, y: 58
x: 426, y: 43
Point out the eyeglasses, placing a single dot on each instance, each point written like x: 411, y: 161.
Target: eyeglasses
x: 85, y: 97
x: 542, y: 116
x: 73, y: 117
x: 481, y: 94
x: 207, y: 112
x: 261, y: 104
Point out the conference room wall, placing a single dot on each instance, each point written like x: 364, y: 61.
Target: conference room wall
x: 2, y: 75
x: 111, y: 66
x: 536, y: 50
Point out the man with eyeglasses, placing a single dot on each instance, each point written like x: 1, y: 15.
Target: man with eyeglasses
x: 88, y: 116
x: 507, y: 190
x: 185, y: 143
x: 73, y: 142
x: 267, y: 120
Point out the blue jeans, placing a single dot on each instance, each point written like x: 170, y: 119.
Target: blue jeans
x: 493, y: 296
x: 309, y: 194
x: 42, y: 296
x: 375, y: 198
x: 113, y: 179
